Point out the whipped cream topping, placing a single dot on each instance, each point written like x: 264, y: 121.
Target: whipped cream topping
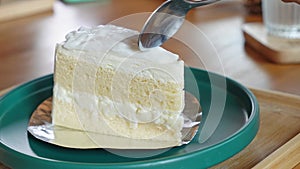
x: 113, y: 39
x: 114, y: 47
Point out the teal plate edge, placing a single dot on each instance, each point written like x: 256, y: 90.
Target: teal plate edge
x: 198, y: 159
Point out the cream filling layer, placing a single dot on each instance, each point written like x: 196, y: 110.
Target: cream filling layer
x: 134, y: 113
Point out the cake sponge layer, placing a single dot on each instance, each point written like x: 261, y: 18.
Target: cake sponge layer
x: 141, y: 88
x: 104, y: 85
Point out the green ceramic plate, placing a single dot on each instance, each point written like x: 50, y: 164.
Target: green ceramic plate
x: 237, y: 128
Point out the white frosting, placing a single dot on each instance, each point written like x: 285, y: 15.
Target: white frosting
x: 115, y: 47
x: 119, y: 40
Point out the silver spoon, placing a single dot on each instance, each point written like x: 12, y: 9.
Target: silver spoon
x: 165, y: 21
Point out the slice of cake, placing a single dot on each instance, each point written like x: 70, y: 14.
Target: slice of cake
x: 125, y: 98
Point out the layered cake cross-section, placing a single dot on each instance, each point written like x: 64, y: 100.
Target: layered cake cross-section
x: 104, y: 85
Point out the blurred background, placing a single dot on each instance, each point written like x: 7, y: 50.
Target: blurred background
x: 30, y: 29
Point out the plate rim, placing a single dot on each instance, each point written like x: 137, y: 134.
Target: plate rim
x: 155, y: 162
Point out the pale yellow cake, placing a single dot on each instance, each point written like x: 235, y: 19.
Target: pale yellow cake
x: 103, y: 84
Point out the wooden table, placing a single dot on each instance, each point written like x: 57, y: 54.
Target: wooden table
x: 27, y: 51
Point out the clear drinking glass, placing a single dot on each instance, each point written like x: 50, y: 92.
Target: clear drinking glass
x: 281, y: 19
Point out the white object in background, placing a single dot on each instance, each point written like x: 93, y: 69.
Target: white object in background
x: 282, y: 19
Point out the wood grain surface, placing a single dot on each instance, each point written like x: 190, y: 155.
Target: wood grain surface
x: 13, y: 9
x: 287, y: 156
x: 279, y: 122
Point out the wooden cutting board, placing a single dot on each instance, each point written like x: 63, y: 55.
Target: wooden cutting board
x: 276, y: 49
x: 277, y: 144
x: 279, y: 124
